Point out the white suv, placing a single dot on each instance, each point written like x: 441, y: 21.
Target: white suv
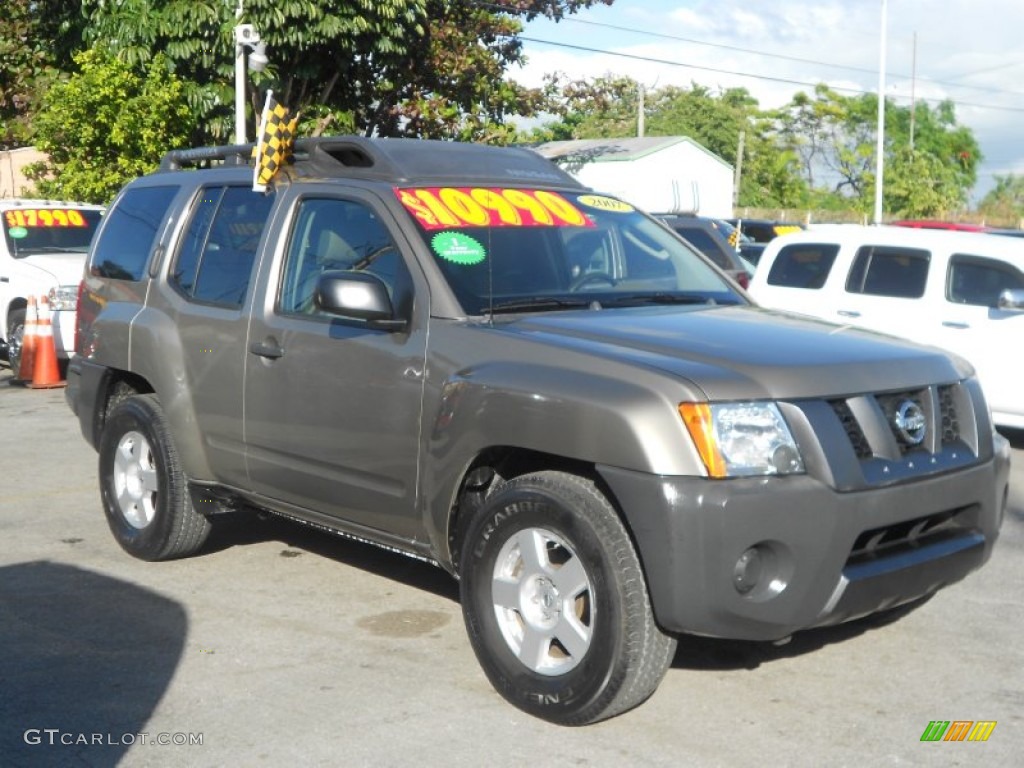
x: 961, y: 291
x: 42, y: 253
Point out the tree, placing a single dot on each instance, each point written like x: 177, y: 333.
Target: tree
x: 835, y: 138
x: 1006, y: 199
x: 386, y: 67
x: 37, y: 38
x: 105, y: 125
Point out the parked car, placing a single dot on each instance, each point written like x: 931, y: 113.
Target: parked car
x: 962, y: 291
x: 459, y: 353
x: 707, y: 236
x: 765, y: 230
x: 41, y: 254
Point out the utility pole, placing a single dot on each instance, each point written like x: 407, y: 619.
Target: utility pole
x: 640, y: 112
x: 738, y: 174
x: 913, y: 84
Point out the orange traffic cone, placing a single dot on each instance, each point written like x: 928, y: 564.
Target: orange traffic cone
x: 26, y: 369
x: 46, y: 371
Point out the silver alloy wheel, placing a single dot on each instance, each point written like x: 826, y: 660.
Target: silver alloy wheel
x: 14, y: 344
x: 135, y: 479
x: 544, y: 601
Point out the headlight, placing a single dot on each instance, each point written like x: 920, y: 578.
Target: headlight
x: 64, y: 297
x: 739, y: 439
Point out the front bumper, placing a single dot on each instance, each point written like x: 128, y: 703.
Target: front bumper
x: 824, y: 557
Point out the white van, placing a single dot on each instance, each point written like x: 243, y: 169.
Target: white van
x: 962, y: 291
x: 42, y: 253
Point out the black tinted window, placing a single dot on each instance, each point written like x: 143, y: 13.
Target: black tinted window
x: 216, y: 255
x: 881, y: 271
x: 803, y: 265
x: 979, y: 281
x: 130, y: 233
x: 705, y: 242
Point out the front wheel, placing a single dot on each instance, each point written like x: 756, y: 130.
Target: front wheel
x: 555, y: 602
x: 15, y: 339
x: 145, y: 494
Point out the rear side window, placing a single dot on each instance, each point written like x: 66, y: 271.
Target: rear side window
x: 216, y: 255
x: 803, y: 265
x: 883, y: 271
x: 979, y: 281
x: 705, y: 242
x: 130, y: 233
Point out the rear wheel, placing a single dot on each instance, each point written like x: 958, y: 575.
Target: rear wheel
x: 145, y: 494
x: 555, y: 602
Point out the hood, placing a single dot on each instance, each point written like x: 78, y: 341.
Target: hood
x: 746, y: 352
x: 64, y: 268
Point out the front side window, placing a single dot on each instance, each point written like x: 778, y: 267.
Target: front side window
x: 216, y: 255
x: 131, y: 232
x: 979, y: 281
x: 332, y: 234
x: 882, y: 271
x: 512, y: 250
x: 803, y: 265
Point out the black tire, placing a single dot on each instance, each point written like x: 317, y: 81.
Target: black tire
x: 145, y: 493
x: 592, y: 647
x: 15, y: 337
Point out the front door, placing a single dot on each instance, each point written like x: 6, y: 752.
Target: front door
x: 332, y: 406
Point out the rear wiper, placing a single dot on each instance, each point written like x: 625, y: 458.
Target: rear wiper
x: 659, y: 298
x: 540, y: 303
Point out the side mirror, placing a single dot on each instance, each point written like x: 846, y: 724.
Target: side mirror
x: 359, y: 296
x: 1011, y: 299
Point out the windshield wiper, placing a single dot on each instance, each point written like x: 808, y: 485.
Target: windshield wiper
x: 659, y: 298
x: 540, y: 303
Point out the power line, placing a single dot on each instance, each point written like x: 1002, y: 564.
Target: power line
x: 769, y: 78
x: 796, y: 59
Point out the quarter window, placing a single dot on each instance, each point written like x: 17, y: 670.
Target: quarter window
x: 896, y: 272
x: 803, y: 265
x: 979, y: 281
x: 131, y: 232
x: 216, y: 255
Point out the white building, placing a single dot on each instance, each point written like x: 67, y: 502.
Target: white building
x: 660, y: 174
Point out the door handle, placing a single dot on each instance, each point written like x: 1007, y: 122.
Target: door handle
x: 263, y: 349
x: 952, y: 324
x: 848, y: 313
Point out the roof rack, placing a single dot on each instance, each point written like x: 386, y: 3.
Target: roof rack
x: 232, y: 154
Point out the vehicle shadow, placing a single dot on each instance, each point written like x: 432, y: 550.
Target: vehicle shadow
x: 706, y: 654
x: 86, y: 658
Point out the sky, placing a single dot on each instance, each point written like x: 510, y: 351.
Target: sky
x: 967, y: 51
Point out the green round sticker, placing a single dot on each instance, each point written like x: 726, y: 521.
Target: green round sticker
x: 17, y: 232
x: 458, y: 248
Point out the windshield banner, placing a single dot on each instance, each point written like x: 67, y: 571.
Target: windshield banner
x: 44, y: 217
x: 456, y: 207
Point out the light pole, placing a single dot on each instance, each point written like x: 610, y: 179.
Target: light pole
x: 246, y: 37
x: 880, y: 144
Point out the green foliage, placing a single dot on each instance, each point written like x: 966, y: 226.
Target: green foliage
x: 105, y: 125
x: 1006, y: 199
x: 36, y: 41
x: 834, y: 138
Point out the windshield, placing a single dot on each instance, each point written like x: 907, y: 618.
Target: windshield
x: 517, y: 250
x: 49, y: 230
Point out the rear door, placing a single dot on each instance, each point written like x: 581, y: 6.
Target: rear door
x: 333, y: 406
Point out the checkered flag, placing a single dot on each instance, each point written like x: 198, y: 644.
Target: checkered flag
x: 277, y: 137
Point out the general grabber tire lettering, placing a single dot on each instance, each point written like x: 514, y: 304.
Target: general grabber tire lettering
x: 555, y: 602
x: 145, y: 494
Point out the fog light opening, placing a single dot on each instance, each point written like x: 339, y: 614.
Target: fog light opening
x: 749, y: 570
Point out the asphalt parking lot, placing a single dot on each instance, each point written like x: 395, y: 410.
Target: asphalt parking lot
x: 284, y: 646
